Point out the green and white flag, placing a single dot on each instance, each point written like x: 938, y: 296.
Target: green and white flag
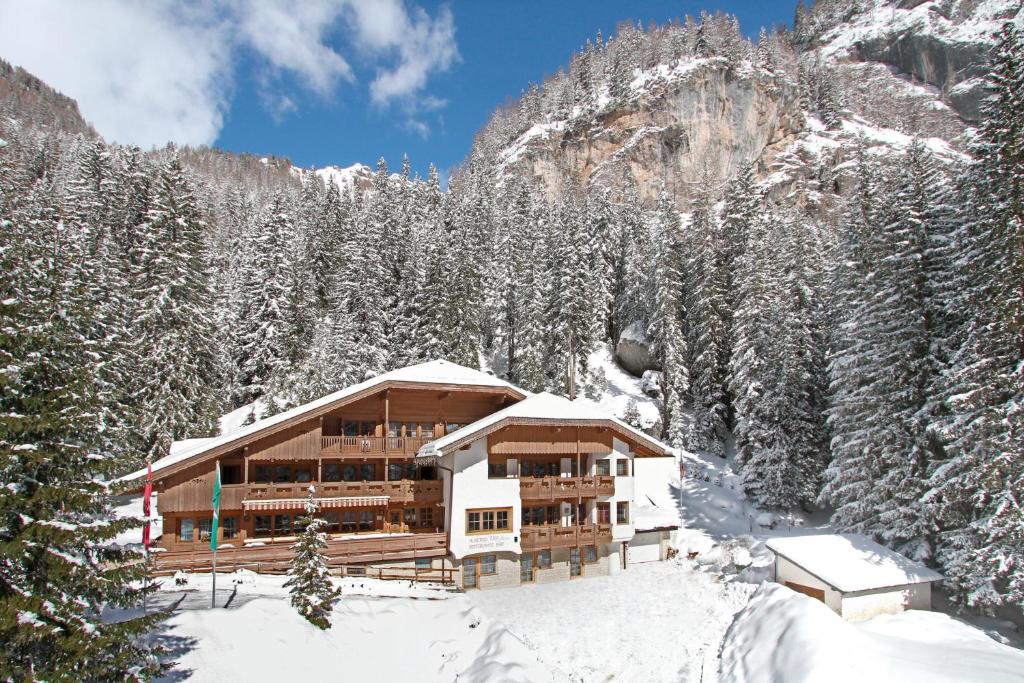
x: 216, y: 510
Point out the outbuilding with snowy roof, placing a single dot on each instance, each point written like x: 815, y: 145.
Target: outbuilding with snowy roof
x: 854, y: 576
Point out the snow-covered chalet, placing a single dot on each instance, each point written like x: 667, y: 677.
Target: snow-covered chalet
x: 434, y: 471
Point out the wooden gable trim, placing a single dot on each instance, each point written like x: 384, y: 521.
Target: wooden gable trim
x: 306, y: 416
x: 530, y: 421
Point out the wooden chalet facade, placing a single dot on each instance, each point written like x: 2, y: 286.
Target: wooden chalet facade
x: 395, y: 466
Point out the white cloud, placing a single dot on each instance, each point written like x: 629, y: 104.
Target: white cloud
x: 291, y: 36
x: 142, y: 73
x: 422, y: 44
x: 149, y: 72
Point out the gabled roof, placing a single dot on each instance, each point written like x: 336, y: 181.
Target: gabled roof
x: 542, y: 408
x: 434, y: 374
x: 850, y: 562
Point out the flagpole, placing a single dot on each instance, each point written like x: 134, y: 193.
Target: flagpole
x: 147, y: 492
x: 213, y: 532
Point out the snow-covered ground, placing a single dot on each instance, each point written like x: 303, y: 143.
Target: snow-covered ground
x: 659, y: 621
x: 654, y: 622
x: 784, y: 636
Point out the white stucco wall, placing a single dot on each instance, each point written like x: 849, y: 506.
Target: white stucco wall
x: 473, y: 489
x: 787, y: 571
x: 866, y: 604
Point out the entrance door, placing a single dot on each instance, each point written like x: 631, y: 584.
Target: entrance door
x: 526, y: 568
x: 574, y: 562
x: 470, y: 568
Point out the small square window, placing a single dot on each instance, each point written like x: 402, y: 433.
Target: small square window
x: 622, y: 468
x: 472, y: 522
x: 423, y: 563
x: 489, y: 564
x: 603, y: 467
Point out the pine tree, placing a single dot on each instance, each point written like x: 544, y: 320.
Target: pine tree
x: 309, y: 579
x: 58, y: 566
x: 173, y: 328
x: 979, y: 488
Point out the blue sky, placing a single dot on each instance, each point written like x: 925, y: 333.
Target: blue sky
x: 321, y: 82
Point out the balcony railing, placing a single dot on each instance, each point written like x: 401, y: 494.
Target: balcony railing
x: 553, y: 536
x: 275, y: 557
x: 556, y: 488
x: 401, y: 491
x: 372, y: 445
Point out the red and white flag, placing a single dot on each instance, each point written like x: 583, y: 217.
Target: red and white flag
x: 147, y: 493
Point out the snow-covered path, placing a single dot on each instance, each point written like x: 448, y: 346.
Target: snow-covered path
x: 654, y: 622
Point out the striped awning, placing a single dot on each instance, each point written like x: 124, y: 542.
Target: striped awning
x: 324, y: 503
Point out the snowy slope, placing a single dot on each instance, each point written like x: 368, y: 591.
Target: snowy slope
x: 784, y: 636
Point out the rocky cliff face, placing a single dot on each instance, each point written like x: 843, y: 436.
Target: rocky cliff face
x: 895, y: 70
x: 677, y: 127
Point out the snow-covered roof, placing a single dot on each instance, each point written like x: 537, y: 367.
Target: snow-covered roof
x: 850, y: 562
x: 437, y: 372
x: 540, y: 408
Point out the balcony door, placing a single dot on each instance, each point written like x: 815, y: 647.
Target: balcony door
x: 526, y: 574
x: 470, y: 572
x: 574, y: 563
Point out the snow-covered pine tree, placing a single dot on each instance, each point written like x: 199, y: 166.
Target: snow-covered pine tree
x: 58, y: 566
x: 309, y: 580
x: 667, y: 326
x: 261, y: 361
x: 705, y: 304
x: 173, y: 328
x: 979, y: 488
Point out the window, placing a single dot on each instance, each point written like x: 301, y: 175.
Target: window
x: 262, y: 526
x: 349, y: 472
x: 409, y: 517
x: 603, y: 467
x: 350, y: 429
x: 332, y: 472
x: 348, y: 521
x: 230, y: 526
x: 410, y: 429
x: 355, y: 571
x: 282, y: 525
x: 428, y: 472
x: 423, y: 563
x: 303, y: 476
x: 622, y: 512
x: 412, y: 471
x: 554, y: 514
x: 394, y: 429
x: 299, y: 524
x: 488, y: 564
x: 185, y: 528
x: 488, y: 521
x: 262, y: 474
x: 604, y: 513
x: 367, y: 471
x: 543, y: 559
x: 497, y: 470
x: 366, y: 520
x: 590, y: 554
x: 394, y: 472
x: 426, y: 517
x: 282, y: 474
x: 451, y: 427
x: 230, y: 474
x: 622, y: 468
x: 426, y: 430
x: 204, y: 529
x: 333, y: 520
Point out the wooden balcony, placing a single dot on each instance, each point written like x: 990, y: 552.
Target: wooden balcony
x: 372, y: 446
x: 274, y: 557
x: 554, y: 536
x: 401, y: 491
x: 559, y: 488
